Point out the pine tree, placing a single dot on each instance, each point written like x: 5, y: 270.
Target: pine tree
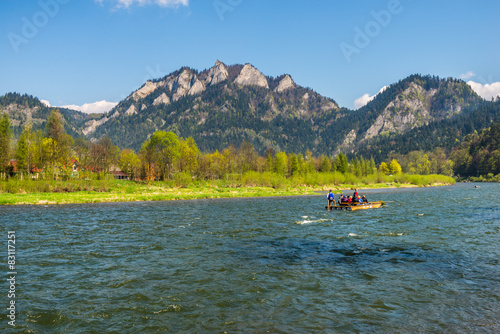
x: 294, y: 164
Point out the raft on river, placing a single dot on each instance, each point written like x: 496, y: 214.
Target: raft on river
x: 355, y: 206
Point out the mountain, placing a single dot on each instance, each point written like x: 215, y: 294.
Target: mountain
x: 24, y: 108
x: 226, y: 105
x: 420, y: 113
x: 220, y: 106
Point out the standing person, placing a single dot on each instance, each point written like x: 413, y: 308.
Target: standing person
x: 330, y: 198
x: 355, y: 195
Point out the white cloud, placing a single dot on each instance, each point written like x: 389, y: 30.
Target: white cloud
x: 46, y: 103
x: 363, y: 100
x: 96, y: 107
x: 162, y: 3
x: 467, y: 75
x: 486, y: 91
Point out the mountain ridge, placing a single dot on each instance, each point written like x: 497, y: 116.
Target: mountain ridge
x: 225, y: 105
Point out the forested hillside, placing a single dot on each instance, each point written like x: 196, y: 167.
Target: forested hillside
x: 26, y: 108
x: 230, y: 105
x: 479, y: 154
x: 446, y: 133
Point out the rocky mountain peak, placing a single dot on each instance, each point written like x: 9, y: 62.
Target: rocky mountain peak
x: 145, y: 90
x: 217, y: 74
x: 285, y: 83
x: 250, y: 76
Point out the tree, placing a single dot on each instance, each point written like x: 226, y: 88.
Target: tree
x: 162, y: 148
x: 55, y: 131
x: 325, y: 164
x: 309, y: 166
x: 424, y: 165
x: 129, y: 162
x: 342, y: 163
x: 395, y: 167
x: 81, y: 150
x: 5, y: 137
x: 147, y: 156
x: 372, y: 169
x: 25, y: 151
x: 294, y: 164
x: 270, y: 159
x: 110, y: 152
x: 188, y: 155
x: 246, y: 157
x: 384, y: 168
x: 218, y: 165
x: 281, y: 163
x: 103, y: 154
x: 356, y: 167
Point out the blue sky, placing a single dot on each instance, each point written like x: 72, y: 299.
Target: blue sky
x: 73, y: 52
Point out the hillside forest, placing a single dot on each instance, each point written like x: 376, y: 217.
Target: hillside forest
x: 166, y: 156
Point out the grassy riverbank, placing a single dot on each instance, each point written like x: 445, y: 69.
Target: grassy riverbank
x: 15, y: 192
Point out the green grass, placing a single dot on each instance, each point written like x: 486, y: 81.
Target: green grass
x: 13, y: 191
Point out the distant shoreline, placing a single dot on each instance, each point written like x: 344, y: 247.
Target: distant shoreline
x: 146, y: 193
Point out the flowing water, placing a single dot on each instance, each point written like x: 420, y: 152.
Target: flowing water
x: 427, y: 262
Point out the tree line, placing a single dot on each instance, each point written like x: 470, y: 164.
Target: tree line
x: 164, y: 155
x: 161, y: 156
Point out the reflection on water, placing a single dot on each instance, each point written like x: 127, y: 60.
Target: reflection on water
x: 427, y: 262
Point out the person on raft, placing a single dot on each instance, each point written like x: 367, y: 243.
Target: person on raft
x: 331, y: 198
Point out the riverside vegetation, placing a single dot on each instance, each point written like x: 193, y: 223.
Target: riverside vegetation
x: 249, y: 184
x: 52, y: 167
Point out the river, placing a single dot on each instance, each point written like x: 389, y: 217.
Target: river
x: 428, y: 261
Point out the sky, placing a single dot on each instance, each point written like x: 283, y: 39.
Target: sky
x: 91, y: 54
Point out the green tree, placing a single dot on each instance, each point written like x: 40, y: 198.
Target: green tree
x: 384, y: 168
x: 81, y: 149
x: 294, y: 165
x: 5, y: 138
x: 247, y: 157
x: 165, y: 148
x: 395, y: 167
x: 281, y: 163
x: 309, y: 165
x: 424, y: 165
x: 342, y: 163
x: 372, y: 169
x: 129, y: 162
x: 188, y: 155
x: 55, y: 130
x: 356, y: 167
x: 25, y: 151
x: 270, y: 159
x: 325, y: 164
